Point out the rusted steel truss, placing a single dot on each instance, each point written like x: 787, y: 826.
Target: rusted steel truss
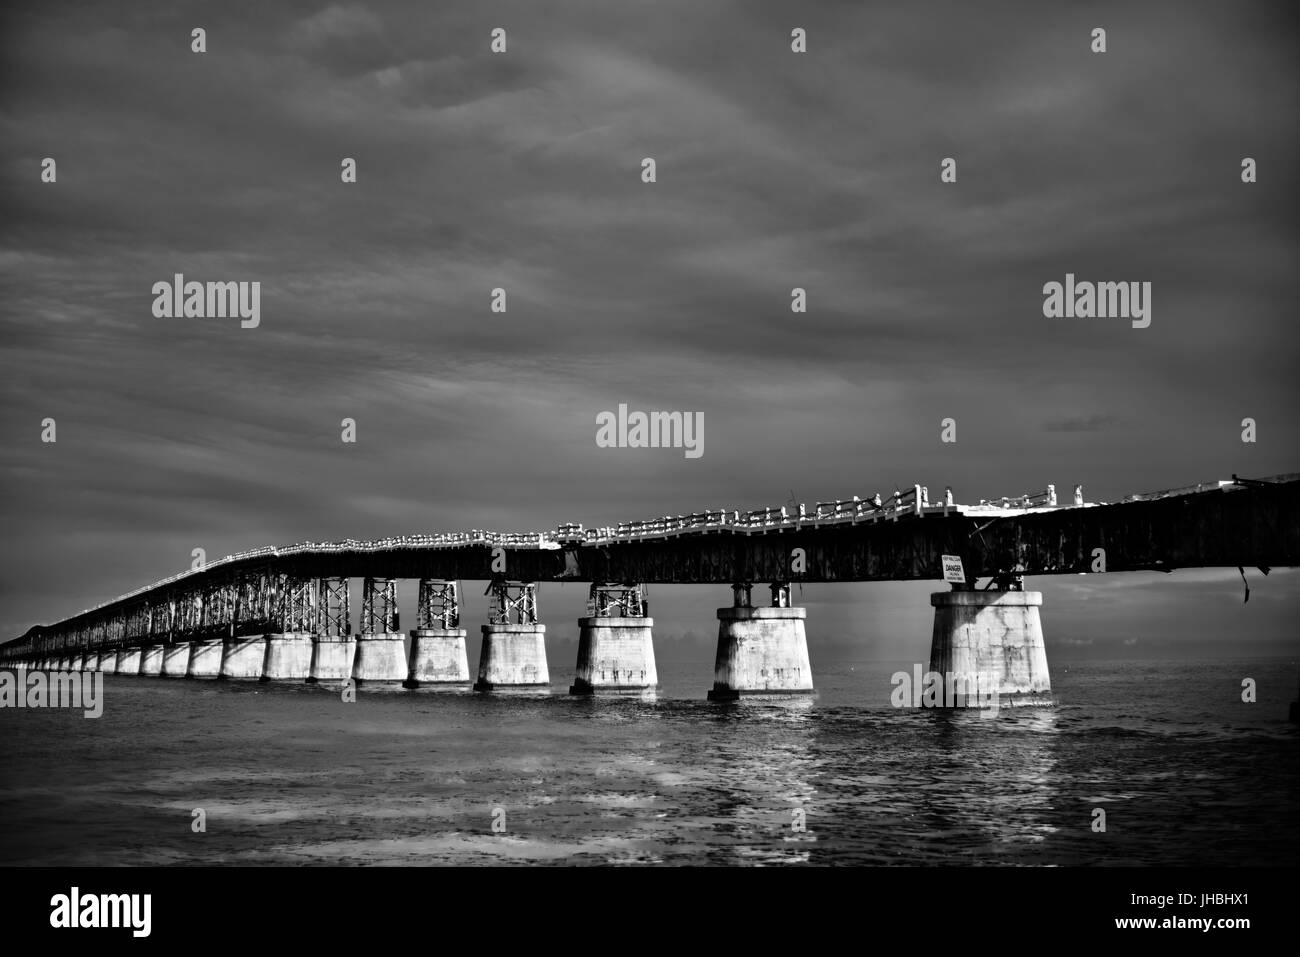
x: 379, y: 606
x: 613, y: 600
x: 439, y: 604
x: 512, y: 599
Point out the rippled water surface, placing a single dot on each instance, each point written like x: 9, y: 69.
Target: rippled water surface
x: 290, y: 774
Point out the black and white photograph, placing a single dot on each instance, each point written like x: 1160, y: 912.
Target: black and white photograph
x: 852, y: 437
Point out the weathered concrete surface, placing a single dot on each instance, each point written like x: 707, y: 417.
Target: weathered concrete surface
x: 381, y: 658
x: 176, y: 660
x: 205, y: 659
x: 993, y: 633
x: 615, y: 656
x: 438, y: 657
x: 331, y: 658
x: 513, y: 656
x: 151, y: 660
x: 287, y: 657
x: 243, y: 657
x: 128, y: 661
x: 762, y: 652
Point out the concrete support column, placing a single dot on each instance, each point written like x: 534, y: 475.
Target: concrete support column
x: 438, y: 657
x: 991, y: 637
x: 287, y: 657
x: 176, y: 660
x: 333, y: 647
x: 80, y: 661
x: 128, y: 660
x: 438, y: 642
x: 616, y: 652
x: 762, y: 652
x: 615, y: 656
x: 381, y: 648
x: 108, y: 661
x: 513, y: 657
x: 151, y: 660
x: 243, y: 656
x: 381, y: 658
x: 205, y: 659
x: 332, y: 657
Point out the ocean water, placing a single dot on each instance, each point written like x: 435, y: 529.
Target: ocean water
x: 290, y: 774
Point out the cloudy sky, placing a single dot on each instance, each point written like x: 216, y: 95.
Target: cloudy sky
x: 522, y: 170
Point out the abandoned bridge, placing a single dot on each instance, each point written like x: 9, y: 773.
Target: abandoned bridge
x: 284, y: 613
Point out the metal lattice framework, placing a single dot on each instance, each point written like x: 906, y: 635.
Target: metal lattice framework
x: 296, y: 610
x: 333, y: 610
x: 439, y: 604
x: 517, y: 599
x: 379, y: 606
x: 617, y: 600
x: 218, y: 608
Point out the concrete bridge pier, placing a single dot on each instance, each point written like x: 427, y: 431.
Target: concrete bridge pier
x: 151, y: 660
x: 128, y: 661
x: 331, y: 658
x: 616, y: 652
x: 438, y: 655
x: 176, y: 660
x: 762, y: 652
x: 242, y: 656
x: 205, y: 658
x: 107, y: 661
x: 288, y: 647
x: 993, y: 638
x: 513, y: 656
x: 381, y: 647
x: 333, y: 647
x: 287, y: 656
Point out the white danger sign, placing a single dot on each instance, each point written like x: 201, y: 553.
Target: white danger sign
x: 952, y: 570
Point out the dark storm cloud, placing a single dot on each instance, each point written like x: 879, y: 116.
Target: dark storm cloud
x: 522, y: 171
